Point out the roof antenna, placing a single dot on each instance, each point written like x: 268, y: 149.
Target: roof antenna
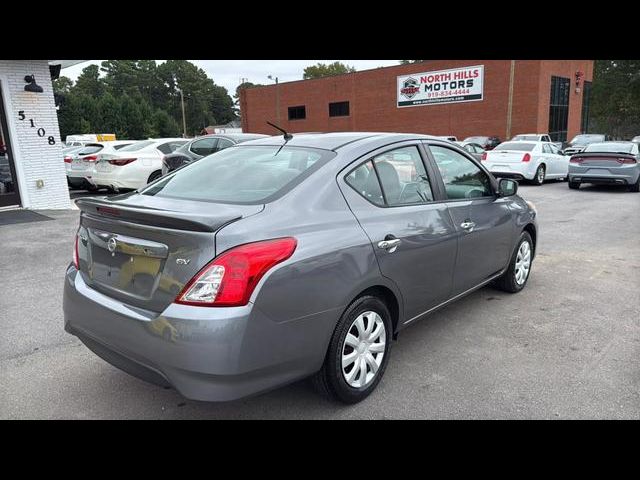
x: 287, y: 136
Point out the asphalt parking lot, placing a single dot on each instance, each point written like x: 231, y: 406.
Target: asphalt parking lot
x: 567, y: 346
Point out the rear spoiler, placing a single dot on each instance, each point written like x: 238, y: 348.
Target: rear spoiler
x: 93, y: 207
x: 603, y: 154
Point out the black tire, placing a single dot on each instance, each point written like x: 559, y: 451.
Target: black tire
x: 507, y: 282
x: 329, y: 381
x: 574, y: 185
x: 536, y: 179
x: 154, y: 176
x: 635, y: 187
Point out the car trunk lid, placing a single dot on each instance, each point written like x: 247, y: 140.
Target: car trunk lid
x: 506, y: 156
x: 604, y: 160
x: 142, y: 250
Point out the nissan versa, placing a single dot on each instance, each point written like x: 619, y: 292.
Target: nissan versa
x: 288, y: 257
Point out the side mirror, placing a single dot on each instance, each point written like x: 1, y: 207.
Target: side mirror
x: 507, y: 187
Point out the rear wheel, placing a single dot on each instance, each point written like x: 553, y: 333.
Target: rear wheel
x: 635, y: 187
x: 358, y: 352
x: 538, y: 179
x: 516, y: 276
x: 574, y: 185
x: 154, y: 176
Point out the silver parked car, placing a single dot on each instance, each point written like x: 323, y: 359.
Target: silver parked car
x: 606, y: 163
x: 279, y: 259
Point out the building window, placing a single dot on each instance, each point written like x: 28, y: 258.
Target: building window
x: 297, y: 113
x: 586, y: 100
x: 339, y: 109
x: 559, y: 108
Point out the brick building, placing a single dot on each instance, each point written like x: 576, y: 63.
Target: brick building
x: 439, y: 97
x: 32, y: 172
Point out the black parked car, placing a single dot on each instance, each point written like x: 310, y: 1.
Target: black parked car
x: 200, y: 147
x: 580, y: 142
x: 488, y: 143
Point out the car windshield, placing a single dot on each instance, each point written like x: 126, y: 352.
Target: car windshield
x: 526, y: 137
x: 518, y: 146
x: 243, y: 175
x: 586, y: 139
x: 476, y: 139
x: 134, y: 147
x: 614, y: 147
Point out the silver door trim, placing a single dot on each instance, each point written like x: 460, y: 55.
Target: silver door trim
x: 481, y: 284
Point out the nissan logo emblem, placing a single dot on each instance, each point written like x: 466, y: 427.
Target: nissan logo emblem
x: 112, y: 244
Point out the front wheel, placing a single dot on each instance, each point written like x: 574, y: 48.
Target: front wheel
x: 358, y: 352
x: 516, y: 276
x: 538, y: 179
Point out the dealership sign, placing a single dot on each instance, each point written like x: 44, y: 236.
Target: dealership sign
x: 444, y: 86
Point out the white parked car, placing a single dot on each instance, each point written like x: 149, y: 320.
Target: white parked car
x: 532, y: 137
x: 79, y: 163
x: 523, y: 160
x: 451, y: 138
x: 134, y: 166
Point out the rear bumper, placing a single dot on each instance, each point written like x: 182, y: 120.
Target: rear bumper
x: 624, y: 178
x: 120, y: 177
x: 209, y: 354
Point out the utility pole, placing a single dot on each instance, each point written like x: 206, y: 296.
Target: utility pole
x: 184, y: 120
x: 510, y: 107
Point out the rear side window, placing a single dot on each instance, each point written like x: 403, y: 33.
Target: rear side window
x: 394, y: 178
x: 169, y: 147
x: 122, y: 145
x: 242, y: 175
x: 224, y: 143
x: 204, y: 147
x: 462, y: 178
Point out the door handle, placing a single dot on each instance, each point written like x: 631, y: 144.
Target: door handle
x: 468, y: 225
x: 389, y: 245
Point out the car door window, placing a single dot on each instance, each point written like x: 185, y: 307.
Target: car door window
x: 461, y: 177
x: 204, y: 147
x: 364, y: 180
x: 169, y: 147
x: 546, y: 148
x: 223, y: 143
x: 403, y: 177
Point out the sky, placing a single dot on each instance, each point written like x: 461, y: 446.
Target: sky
x: 228, y: 73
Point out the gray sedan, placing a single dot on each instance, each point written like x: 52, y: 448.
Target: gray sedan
x: 606, y: 163
x: 285, y: 258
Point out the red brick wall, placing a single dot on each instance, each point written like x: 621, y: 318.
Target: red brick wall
x: 372, y: 98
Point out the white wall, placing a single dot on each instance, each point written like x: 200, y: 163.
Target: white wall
x: 34, y: 158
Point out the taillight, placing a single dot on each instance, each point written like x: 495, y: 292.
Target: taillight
x: 626, y: 160
x: 76, y: 261
x: 576, y: 160
x: 484, y: 156
x: 68, y: 159
x: 229, y: 279
x: 90, y: 158
x: 526, y: 157
x: 122, y: 161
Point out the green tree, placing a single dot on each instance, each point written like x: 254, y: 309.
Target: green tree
x: 164, y: 125
x: 615, y: 98
x: 325, y: 70
x: 134, y: 127
x: 62, y: 85
x: 89, y: 82
x: 109, y: 114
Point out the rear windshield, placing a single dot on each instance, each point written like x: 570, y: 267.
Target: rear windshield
x: 134, y: 147
x: 526, y: 137
x: 476, y: 139
x: 610, y: 147
x: 90, y: 148
x: 518, y: 146
x: 586, y: 139
x: 242, y: 175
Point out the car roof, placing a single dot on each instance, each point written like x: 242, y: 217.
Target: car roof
x: 336, y: 140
